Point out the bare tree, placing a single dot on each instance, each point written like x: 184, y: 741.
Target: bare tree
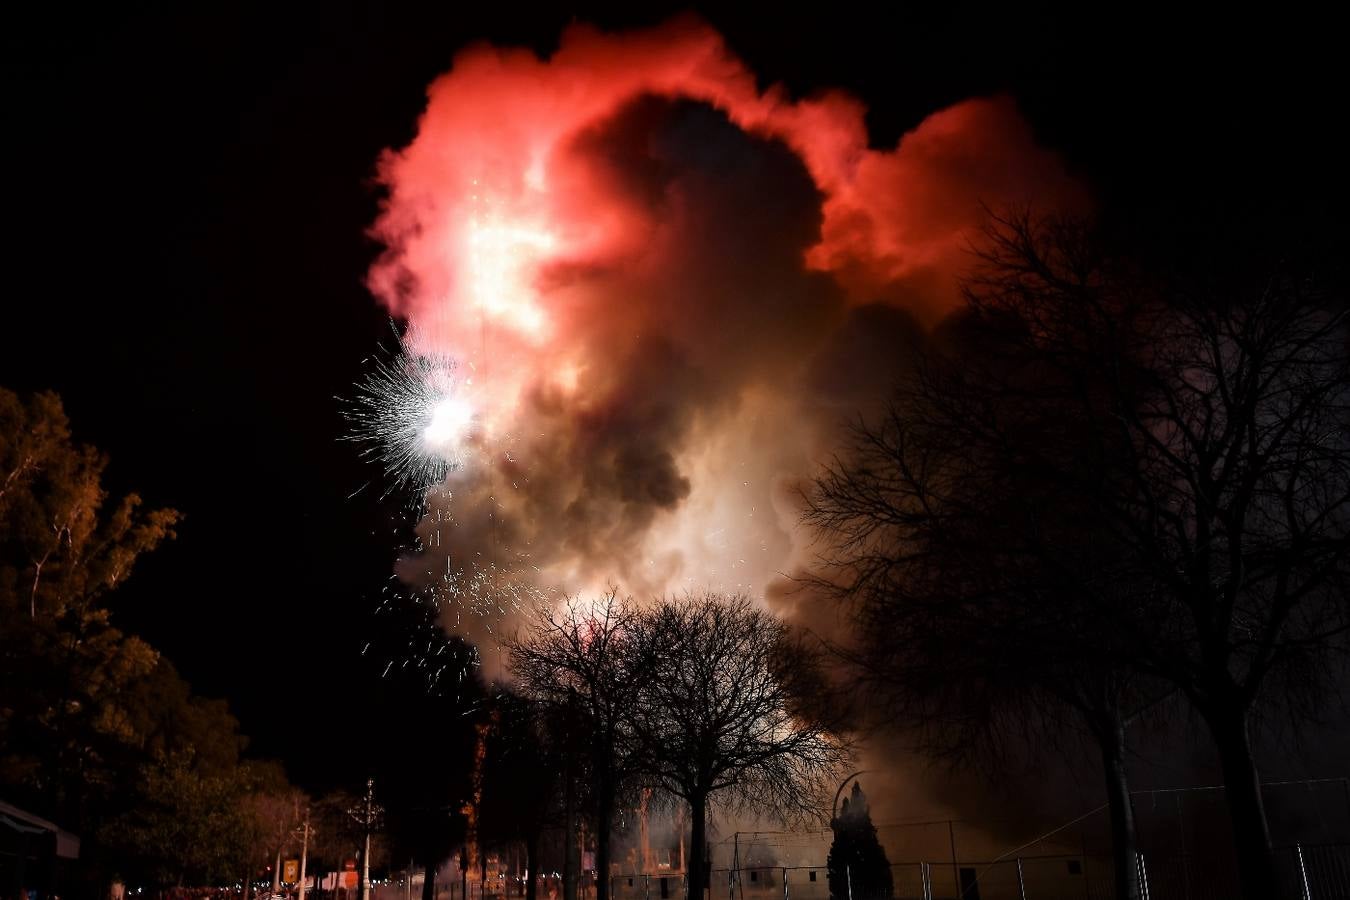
x: 978, y: 582
x: 1208, y: 421
x: 1228, y: 396
x: 521, y: 777
x: 580, y: 662
x: 719, y: 720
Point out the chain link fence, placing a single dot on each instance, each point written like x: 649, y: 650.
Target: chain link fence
x: 1185, y: 853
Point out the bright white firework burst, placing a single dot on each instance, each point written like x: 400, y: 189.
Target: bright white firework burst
x: 410, y: 415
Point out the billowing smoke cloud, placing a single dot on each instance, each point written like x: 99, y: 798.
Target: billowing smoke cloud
x: 666, y: 288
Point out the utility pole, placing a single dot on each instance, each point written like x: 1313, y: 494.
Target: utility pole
x: 369, y: 810
x: 304, y: 857
x: 367, y: 814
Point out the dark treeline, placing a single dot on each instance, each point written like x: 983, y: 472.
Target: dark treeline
x: 697, y: 699
x: 99, y: 734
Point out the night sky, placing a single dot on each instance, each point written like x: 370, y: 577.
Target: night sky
x: 189, y: 191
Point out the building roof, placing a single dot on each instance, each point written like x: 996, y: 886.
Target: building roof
x: 15, y: 819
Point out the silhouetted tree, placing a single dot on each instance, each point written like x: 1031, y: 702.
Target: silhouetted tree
x: 716, y: 719
x: 582, y: 663
x: 1208, y: 420
x: 426, y: 783
x: 1229, y: 393
x: 857, y: 865
x: 977, y: 577
x: 522, y: 777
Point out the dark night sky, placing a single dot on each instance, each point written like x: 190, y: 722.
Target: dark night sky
x: 189, y: 188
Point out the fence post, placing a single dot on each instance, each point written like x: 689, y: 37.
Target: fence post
x: 1087, y: 885
x: 1303, y: 872
x: 956, y: 869
x: 1141, y: 867
x: 1021, y: 882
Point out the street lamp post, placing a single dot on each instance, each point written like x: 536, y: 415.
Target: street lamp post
x: 367, y: 814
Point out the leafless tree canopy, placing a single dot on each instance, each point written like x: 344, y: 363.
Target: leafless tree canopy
x: 582, y: 661
x: 719, y: 719
x: 698, y: 697
x: 718, y: 715
x: 1142, y: 472
x: 582, y: 656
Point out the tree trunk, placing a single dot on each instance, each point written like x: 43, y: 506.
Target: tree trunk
x: 604, y: 820
x: 429, y: 881
x: 1246, y: 808
x: 698, y: 845
x: 569, y: 872
x: 531, y: 862
x: 1124, y: 846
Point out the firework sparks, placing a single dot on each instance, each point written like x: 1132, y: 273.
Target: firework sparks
x: 411, y: 416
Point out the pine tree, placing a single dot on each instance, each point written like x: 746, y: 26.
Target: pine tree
x: 857, y: 865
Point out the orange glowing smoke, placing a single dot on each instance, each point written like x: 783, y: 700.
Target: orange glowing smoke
x: 643, y: 261
x: 486, y: 198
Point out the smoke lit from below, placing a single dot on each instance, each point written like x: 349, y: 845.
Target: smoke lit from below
x: 652, y: 278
